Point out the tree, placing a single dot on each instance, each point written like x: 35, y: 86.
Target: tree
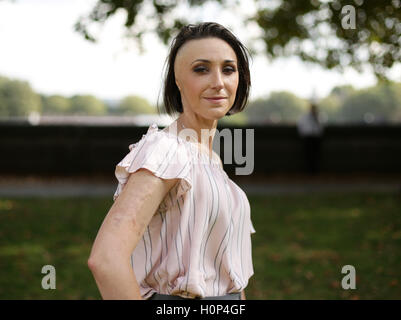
x: 133, y: 105
x: 279, y: 107
x: 381, y: 103
x: 333, y: 34
x: 332, y: 104
x: 17, y: 98
x: 87, y: 105
x: 55, y: 105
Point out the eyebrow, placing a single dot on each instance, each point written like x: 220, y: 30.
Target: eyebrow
x: 208, y: 61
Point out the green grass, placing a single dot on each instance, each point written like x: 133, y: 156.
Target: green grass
x: 299, y: 248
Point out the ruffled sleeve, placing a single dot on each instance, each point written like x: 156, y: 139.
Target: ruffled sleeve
x: 251, y: 227
x: 162, y: 154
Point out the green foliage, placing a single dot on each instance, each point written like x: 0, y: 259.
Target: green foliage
x: 134, y: 105
x: 278, y: 107
x: 17, y: 98
x: 381, y: 103
x: 314, y: 30
x: 87, y: 105
x: 332, y: 104
x: 317, y: 31
x: 55, y: 105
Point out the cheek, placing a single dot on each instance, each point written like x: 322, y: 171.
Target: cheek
x: 233, y: 85
x: 194, y: 87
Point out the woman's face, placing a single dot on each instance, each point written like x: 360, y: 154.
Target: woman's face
x: 204, y: 69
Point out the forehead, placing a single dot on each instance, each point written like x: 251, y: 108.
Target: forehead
x: 213, y: 49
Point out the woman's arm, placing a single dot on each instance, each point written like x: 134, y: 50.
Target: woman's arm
x: 243, y: 295
x: 121, y: 231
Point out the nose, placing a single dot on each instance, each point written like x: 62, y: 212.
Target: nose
x: 217, y: 80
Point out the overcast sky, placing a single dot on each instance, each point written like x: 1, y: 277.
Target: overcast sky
x: 38, y: 44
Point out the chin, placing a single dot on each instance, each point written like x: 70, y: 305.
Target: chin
x: 215, y: 113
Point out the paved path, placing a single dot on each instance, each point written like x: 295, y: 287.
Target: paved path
x: 62, y: 187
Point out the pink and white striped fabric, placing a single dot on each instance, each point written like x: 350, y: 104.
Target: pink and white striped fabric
x: 198, y: 243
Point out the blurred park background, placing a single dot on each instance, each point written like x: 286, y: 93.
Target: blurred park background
x: 81, y: 80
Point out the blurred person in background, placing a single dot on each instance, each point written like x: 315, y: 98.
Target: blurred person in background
x: 310, y: 130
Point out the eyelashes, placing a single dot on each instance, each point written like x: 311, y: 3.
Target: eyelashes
x: 228, y: 70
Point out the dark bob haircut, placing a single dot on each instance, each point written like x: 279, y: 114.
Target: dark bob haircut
x: 171, y: 95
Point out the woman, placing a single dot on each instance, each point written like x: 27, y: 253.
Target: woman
x: 179, y: 228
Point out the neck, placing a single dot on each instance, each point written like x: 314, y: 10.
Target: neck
x: 200, y: 131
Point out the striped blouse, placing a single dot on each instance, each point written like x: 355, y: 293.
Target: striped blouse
x: 198, y: 243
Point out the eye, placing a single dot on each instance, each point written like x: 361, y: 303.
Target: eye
x: 229, y: 70
x: 200, y: 69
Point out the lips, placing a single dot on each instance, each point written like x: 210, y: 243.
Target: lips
x: 216, y: 99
